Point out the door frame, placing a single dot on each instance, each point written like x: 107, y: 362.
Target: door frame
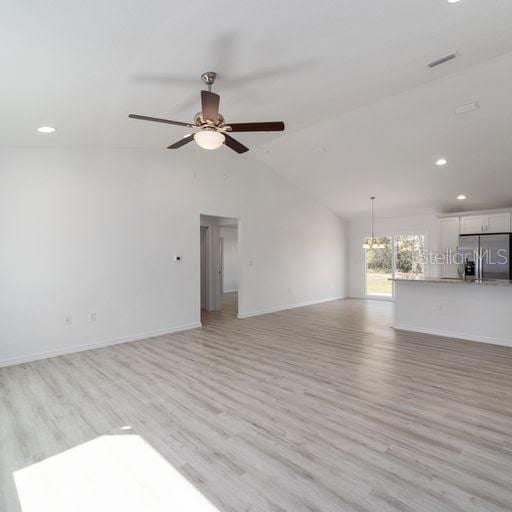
x: 211, y: 294
x: 206, y: 230
x: 221, y: 264
x: 393, y: 238
x: 393, y: 268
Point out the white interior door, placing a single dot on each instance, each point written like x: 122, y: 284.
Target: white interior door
x: 215, y: 269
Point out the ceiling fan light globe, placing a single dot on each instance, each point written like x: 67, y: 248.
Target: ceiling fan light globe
x: 209, y: 139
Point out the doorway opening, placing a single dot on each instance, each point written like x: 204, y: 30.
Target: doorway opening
x: 219, y: 267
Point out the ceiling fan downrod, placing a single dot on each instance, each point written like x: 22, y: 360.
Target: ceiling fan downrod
x: 209, y: 79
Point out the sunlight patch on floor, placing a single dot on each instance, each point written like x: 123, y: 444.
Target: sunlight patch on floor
x: 110, y: 473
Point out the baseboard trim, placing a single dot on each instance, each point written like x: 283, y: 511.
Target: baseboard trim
x: 99, y: 344
x: 459, y: 335
x: 375, y: 298
x: 289, y: 306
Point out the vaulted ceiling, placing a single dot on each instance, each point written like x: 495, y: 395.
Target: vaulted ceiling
x: 364, y: 113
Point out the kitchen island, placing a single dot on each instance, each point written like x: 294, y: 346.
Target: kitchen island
x: 478, y: 310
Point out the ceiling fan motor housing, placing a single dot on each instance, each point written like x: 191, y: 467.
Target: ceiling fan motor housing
x: 200, y: 121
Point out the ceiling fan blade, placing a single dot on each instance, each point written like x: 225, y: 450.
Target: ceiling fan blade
x: 273, y: 126
x: 158, y: 120
x: 210, y: 104
x: 182, y: 142
x: 234, y: 144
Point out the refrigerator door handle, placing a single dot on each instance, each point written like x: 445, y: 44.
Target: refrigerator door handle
x: 482, y: 261
x: 479, y: 262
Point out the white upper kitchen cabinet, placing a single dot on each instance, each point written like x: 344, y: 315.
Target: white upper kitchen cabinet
x: 498, y: 223
x: 450, y: 233
x: 449, y: 244
x: 472, y: 224
x: 488, y: 223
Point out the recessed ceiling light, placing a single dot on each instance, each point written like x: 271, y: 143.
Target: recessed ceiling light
x: 441, y: 162
x: 46, y: 129
x: 461, y: 197
x: 453, y: 1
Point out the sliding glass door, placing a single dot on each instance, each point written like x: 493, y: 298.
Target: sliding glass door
x: 409, y: 250
x: 379, y: 269
x: 401, y: 256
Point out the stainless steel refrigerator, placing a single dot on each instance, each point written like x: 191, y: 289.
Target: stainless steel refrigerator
x: 485, y: 256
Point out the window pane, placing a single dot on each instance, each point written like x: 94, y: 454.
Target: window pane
x: 409, y: 256
x: 379, y: 268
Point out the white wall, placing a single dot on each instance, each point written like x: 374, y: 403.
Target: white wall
x: 358, y: 230
x: 86, y: 231
x: 230, y: 263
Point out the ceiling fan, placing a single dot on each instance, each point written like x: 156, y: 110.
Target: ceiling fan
x: 212, y: 131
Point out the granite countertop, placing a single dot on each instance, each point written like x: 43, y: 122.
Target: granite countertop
x: 459, y: 281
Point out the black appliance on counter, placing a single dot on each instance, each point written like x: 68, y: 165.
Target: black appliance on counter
x: 485, y: 256
x: 469, y: 268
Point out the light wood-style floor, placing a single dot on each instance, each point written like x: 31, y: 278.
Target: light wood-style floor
x: 322, y: 408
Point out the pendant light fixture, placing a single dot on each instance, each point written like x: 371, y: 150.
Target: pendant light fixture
x: 373, y: 243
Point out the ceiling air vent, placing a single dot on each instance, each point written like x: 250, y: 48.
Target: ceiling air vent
x: 442, y: 60
x: 468, y: 107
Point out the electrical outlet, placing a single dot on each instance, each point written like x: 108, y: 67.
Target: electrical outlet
x: 438, y: 307
x: 289, y: 291
x: 68, y: 319
x: 92, y: 317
